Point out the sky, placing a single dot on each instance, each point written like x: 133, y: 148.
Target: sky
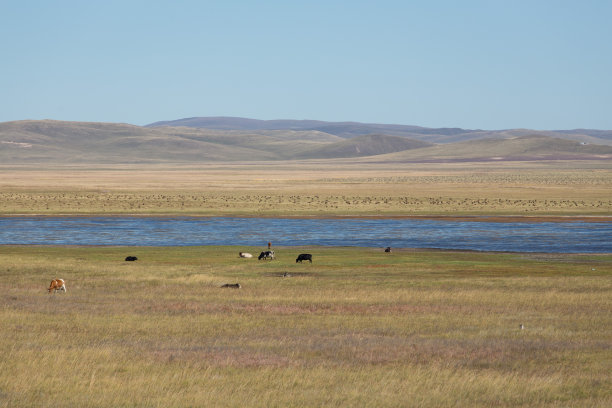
x: 534, y: 64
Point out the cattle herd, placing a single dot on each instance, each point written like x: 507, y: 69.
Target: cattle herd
x: 270, y: 255
x: 60, y: 285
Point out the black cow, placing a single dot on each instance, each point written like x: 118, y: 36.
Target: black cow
x: 232, y: 285
x: 303, y: 257
x: 388, y: 249
x: 266, y: 255
x: 131, y: 258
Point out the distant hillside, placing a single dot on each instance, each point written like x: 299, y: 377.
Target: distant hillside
x: 352, y: 129
x: 595, y: 134
x: 342, y: 129
x: 79, y: 142
x: 533, y: 147
x: 49, y: 141
x: 232, y: 123
x: 368, y: 145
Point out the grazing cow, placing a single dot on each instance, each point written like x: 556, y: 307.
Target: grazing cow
x: 131, y: 258
x: 303, y: 257
x: 266, y: 255
x: 388, y: 249
x: 57, y: 284
x: 231, y: 285
x: 244, y: 255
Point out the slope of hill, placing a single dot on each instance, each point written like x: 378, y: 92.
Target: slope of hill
x: 342, y: 129
x: 233, y: 123
x: 49, y: 141
x: 82, y: 142
x: 368, y: 145
x: 534, y: 147
x: 588, y: 135
x: 353, y: 129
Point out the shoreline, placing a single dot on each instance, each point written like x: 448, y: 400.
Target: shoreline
x: 460, y: 218
x: 322, y: 247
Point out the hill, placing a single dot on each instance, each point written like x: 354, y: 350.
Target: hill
x: 525, y: 148
x: 353, y: 129
x: 367, y: 145
x: 81, y: 142
x: 49, y: 141
x: 341, y: 129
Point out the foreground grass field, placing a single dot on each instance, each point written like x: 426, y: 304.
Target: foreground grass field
x: 357, y: 327
x: 326, y: 188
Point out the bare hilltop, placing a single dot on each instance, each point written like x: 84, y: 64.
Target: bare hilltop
x: 219, y: 139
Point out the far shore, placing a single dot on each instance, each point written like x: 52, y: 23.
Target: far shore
x: 504, y: 192
x: 459, y: 218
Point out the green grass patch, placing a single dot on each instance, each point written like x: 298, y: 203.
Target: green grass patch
x: 357, y: 327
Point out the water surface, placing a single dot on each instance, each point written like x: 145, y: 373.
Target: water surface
x: 569, y: 237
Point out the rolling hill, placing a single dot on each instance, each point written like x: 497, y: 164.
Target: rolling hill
x: 79, y: 142
x: 524, y: 148
x: 248, y: 140
x: 367, y: 145
x: 352, y: 129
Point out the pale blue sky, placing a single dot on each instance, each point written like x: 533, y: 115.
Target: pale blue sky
x: 471, y: 64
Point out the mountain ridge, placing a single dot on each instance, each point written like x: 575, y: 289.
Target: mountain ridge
x: 352, y: 129
x: 51, y: 141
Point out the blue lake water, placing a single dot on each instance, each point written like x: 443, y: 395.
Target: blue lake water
x: 569, y: 237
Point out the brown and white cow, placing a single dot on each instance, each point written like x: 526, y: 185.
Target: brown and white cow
x: 57, y: 284
x: 245, y: 255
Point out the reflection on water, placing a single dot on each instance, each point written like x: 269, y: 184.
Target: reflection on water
x: 571, y: 237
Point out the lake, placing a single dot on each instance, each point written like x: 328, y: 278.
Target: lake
x: 560, y: 237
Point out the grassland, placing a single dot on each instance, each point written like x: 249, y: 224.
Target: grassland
x: 357, y: 327
x: 312, y: 188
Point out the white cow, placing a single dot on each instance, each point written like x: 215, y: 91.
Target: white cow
x: 244, y: 255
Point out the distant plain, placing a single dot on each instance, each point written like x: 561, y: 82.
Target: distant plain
x: 312, y: 188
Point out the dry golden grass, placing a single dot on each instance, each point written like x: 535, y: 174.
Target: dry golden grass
x: 313, y: 189
x: 358, y: 327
